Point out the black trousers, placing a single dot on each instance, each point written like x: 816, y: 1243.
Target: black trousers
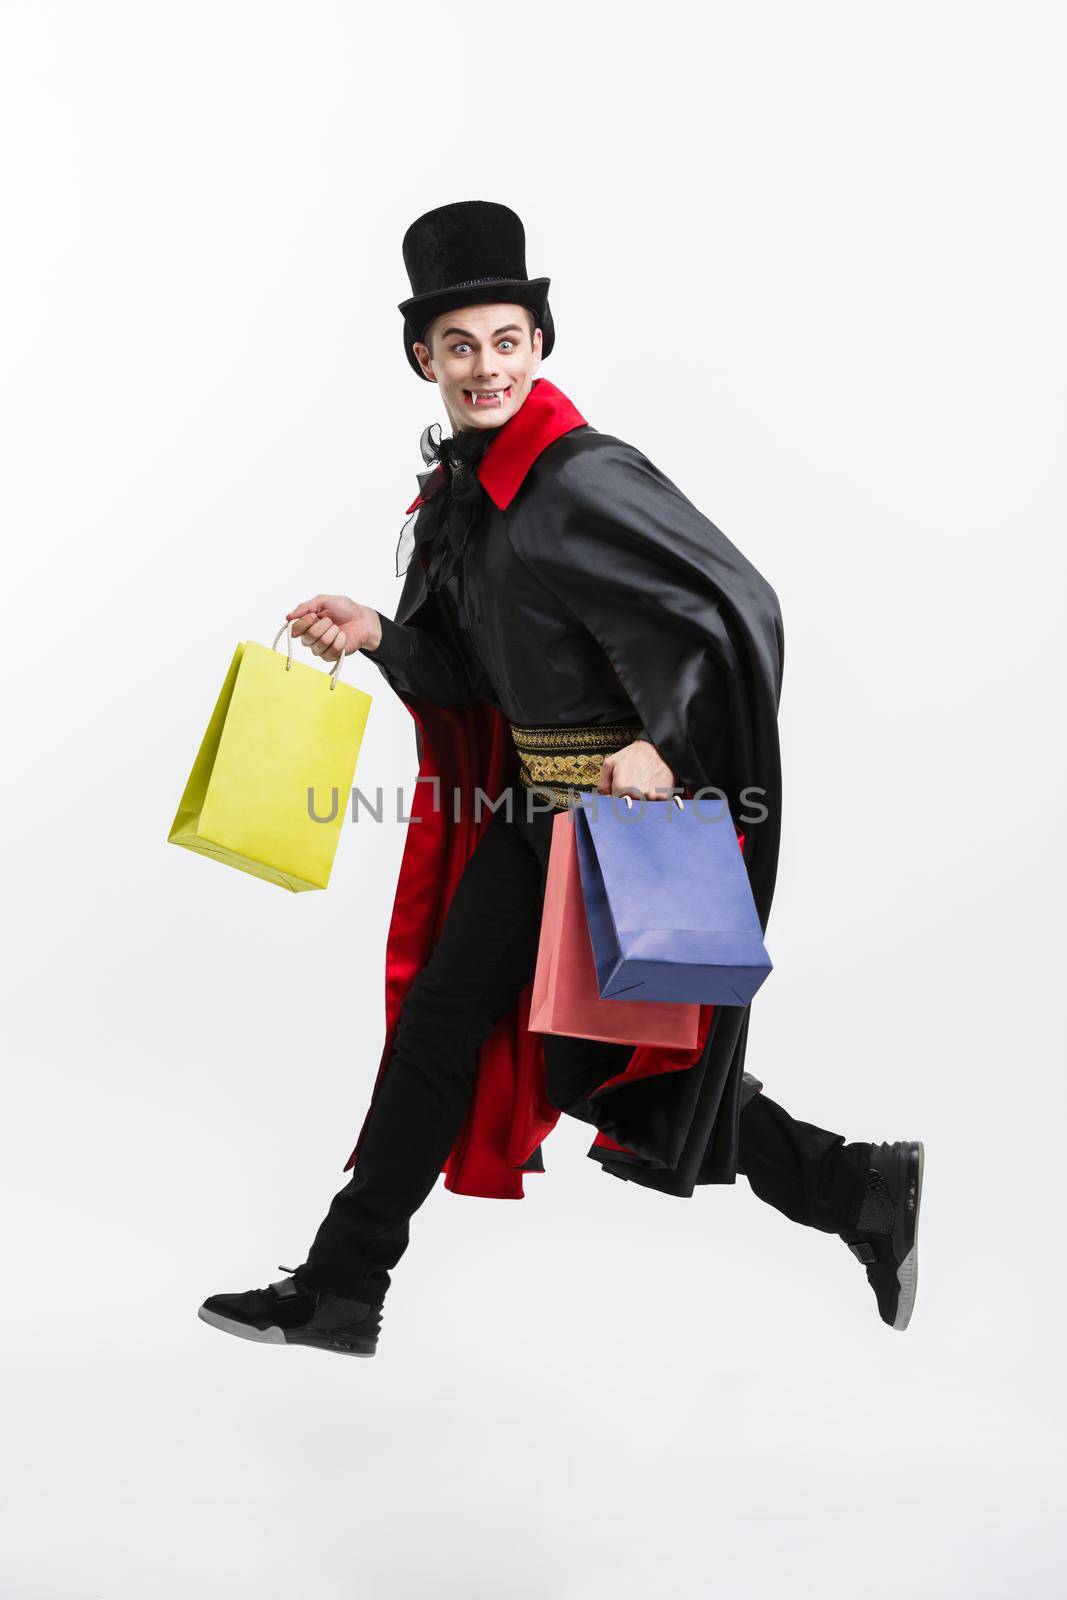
x: 484, y: 957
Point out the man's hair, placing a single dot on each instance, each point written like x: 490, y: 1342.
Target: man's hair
x: 425, y: 335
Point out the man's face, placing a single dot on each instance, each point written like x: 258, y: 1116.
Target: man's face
x: 484, y: 361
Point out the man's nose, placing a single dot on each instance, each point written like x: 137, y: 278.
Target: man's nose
x: 485, y: 368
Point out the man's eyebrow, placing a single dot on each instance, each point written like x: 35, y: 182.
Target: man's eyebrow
x: 511, y: 327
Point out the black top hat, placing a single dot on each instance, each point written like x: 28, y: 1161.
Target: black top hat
x: 470, y: 253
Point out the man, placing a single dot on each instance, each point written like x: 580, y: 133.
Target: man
x: 569, y: 621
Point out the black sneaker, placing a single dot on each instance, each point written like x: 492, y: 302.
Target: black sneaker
x: 885, y: 1237
x: 292, y: 1312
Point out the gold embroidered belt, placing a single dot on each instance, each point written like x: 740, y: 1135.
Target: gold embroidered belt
x: 557, y: 760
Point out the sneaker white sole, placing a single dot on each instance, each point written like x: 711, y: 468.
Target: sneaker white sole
x: 908, y: 1271
x: 241, y: 1330
x: 272, y: 1335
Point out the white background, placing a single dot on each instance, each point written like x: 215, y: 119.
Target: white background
x: 810, y: 260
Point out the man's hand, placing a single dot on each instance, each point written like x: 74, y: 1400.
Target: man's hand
x: 638, y: 769
x: 332, y: 621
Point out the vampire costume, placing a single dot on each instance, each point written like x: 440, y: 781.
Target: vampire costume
x: 562, y: 599
x: 594, y: 593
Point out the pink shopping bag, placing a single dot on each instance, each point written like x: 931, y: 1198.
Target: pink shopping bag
x: 565, y: 997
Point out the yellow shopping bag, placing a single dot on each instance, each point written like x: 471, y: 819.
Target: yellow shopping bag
x: 270, y: 787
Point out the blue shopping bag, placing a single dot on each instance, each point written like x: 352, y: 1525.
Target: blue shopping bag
x: 668, y: 903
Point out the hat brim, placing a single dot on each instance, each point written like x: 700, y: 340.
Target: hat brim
x: 419, y: 311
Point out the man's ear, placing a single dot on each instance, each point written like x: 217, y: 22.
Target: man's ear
x: 422, y: 356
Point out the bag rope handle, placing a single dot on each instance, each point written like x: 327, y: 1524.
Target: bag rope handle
x: 287, y: 629
x: 675, y: 797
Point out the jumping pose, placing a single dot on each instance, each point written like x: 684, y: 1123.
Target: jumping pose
x: 569, y: 622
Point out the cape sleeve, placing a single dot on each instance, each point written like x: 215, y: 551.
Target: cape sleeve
x: 691, y: 628
x: 431, y: 660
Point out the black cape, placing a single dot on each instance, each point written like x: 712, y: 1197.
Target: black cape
x: 694, y: 633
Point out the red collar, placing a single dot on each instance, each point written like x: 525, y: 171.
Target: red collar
x: 544, y: 416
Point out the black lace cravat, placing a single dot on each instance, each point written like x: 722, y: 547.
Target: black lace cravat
x: 454, y: 508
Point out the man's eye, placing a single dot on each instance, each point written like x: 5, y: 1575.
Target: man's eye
x: 456, y: 348
x: 507, y: 341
